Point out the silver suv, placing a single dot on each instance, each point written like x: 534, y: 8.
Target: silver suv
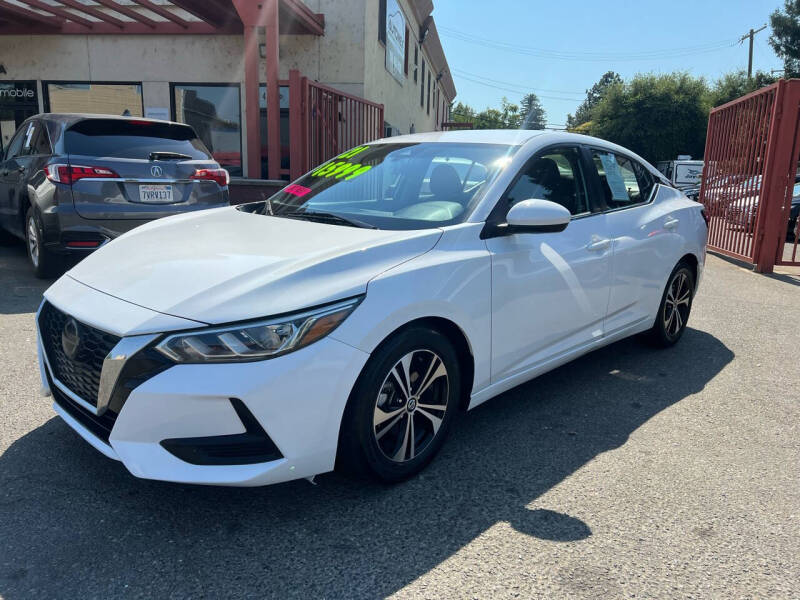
x: 69, y: 182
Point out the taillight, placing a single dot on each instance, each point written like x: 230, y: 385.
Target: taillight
x: 221, y: 176
x: 705, y: 216
x: 69, y: 174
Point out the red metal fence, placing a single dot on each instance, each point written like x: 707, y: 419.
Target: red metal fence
x: 327, y: 122
x: 749, y: 175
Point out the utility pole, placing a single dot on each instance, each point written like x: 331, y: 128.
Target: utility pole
x: 751, y: 35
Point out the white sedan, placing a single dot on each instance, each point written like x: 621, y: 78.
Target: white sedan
x: 345, y: 320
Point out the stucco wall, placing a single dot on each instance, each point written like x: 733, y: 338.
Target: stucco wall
x: 400, y: 99
x: 348, y: 57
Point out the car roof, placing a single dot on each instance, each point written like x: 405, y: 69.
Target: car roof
x: 68, y: 119
x: 516, y: 137
x: 510, y: 137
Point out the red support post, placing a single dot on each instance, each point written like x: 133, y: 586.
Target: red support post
x: 296, y: 140
x: 252, y: 110
x: 271, y: 23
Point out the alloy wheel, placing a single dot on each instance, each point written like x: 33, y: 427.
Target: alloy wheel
x: 677, y: 305
x: 411, y: 405
x: 33, y: 241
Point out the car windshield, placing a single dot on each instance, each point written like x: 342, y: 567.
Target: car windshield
x: 393, y: 186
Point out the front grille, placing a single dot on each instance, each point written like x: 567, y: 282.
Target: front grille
x: 80, y: 374
x: 100, y: 426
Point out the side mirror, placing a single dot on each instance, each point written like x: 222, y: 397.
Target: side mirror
x: 537, y: 216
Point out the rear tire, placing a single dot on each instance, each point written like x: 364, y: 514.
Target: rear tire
x: 390, y: 432
x: 675, y: 307
x: 45, y: 264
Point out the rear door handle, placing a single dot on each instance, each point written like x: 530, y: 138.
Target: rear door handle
x: 671, y: 223
x: 598, y: 244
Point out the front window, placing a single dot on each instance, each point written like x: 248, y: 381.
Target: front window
x: 123, y: 99
x: 393, y: 186
x: 215, y: 114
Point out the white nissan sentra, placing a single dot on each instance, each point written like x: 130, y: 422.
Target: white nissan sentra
x: 347, y: 319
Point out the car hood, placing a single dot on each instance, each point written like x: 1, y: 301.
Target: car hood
x: 224, y: 265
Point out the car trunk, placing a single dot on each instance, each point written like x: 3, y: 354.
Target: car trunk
x: 138, y: 169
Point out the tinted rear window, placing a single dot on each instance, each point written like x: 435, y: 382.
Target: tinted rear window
x: 116, y: 138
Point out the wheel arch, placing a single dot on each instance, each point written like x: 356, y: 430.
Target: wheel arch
x: 461, y: 344
x: 691, y: 260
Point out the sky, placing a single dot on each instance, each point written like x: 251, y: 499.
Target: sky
x: 560, y: 48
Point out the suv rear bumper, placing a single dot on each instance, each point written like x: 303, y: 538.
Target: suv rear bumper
x: 64, y: 226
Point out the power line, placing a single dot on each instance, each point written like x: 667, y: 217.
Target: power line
x: 588, y: 56
x: 516, y: 90
x: 527, y: 88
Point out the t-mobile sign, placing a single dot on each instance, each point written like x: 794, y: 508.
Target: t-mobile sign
x: 18, y: 92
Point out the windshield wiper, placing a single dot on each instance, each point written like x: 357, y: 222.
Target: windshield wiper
x: 169, y: 156
x: 326, y: 217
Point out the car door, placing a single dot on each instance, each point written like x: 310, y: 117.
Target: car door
x: 11, y: 173
x: 644, y: 236
x: 549, y: 290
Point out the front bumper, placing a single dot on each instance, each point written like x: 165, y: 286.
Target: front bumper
x: 298, y: 399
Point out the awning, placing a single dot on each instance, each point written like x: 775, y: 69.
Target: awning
x: 43, y: 17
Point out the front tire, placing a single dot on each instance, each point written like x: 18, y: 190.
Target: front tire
x: 675, y: 307
x: 401, y: 407
x: 45, y: 264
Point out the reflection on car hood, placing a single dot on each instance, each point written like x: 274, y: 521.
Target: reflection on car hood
x: 224, y: 265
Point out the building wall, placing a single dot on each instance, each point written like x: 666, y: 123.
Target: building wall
x: 348, y: 57
x: 401, y: 100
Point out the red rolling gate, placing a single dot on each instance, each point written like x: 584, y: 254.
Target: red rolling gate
x: 749, y: 174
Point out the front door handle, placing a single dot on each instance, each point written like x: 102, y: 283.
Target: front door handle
x: 671, y: 223
x: 598, y: 244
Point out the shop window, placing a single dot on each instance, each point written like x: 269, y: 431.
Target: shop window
x: 405, y: 58
x: 422, y: 87
x: 382, y: 21
x: 96, y: 98
x: 285, y: 154
x: 416, y: 62
x: 429, y: 92
x: 214, y: 111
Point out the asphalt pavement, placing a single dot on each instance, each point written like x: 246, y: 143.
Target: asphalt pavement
x: 631, y: 472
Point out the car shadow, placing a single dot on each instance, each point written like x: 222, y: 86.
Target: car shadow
x: 20, y: 291
x: 73, y: 523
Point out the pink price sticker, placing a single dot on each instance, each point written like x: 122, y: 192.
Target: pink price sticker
x: 296, y: 190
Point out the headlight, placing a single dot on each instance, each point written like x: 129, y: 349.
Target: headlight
x: 256, y: 340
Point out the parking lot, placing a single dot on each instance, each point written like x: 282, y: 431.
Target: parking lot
x: 631, y: 472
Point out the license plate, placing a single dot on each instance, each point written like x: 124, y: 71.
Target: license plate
x: 155, y: 194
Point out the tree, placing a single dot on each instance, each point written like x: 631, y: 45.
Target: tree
x: 583, y: 114
x: 735, y: 85
x: 785, y: 38
x: 532, y: 115
x: 462, y: 113
x: 656, y: 116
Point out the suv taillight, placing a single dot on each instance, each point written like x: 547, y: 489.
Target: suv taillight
x: 69, y: 174
x: 705, y: 216
x: 221, y: 176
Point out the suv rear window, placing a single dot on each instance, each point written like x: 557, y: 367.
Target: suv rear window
x: 116, y: 138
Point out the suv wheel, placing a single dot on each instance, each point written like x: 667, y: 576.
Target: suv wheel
x: 401, y: 407
x: 45, y: 264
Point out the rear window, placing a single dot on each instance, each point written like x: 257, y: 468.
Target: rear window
x: 116, y: 138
